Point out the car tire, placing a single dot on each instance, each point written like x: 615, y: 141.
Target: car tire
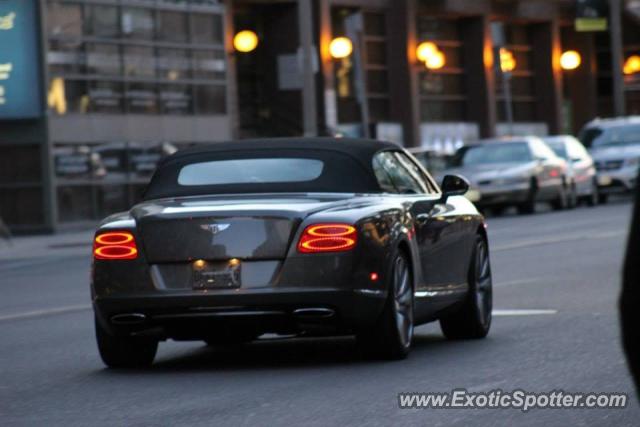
x: 572, y: 199
x: 560, y: 202
x: 529, y: 206
x: 473, y: 319
x: 391, y: 337
x: 594, y: 197
x: 603, y: 199
x: 125, y: 352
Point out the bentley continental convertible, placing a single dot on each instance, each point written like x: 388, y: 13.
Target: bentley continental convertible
x: 303, y: 237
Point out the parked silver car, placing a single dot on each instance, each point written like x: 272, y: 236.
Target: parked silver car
x: 517, y: 171
x: 581, y: 171
x: 614, y: 145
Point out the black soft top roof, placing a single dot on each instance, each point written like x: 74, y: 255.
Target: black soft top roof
x: 349, y: 168
x: 361, y: 148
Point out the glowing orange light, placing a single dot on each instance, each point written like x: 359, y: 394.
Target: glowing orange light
x: 507, y: 60
x: 425, y: 50
x: 245, y: 41
x: 115, y: 245
x: 632, y: 65
x: 327, y: 238
x: 340, y: 47
x: 199, y: 263
x: 570, y: 60
x: 435, y: 61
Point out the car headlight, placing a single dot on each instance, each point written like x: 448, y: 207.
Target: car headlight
x: 634, y: 162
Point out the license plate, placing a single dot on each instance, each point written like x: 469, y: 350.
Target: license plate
x: 215, y: 275
x: 473, y: 195
x: 604, y: 180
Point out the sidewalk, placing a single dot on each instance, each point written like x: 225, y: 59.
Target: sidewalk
x: 60, y: 244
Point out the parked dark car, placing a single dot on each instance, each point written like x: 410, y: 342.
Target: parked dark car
x: 517, y: 171
x: 290, y: 236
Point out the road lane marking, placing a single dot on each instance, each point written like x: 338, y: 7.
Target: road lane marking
x: 523, y: 312
x: 558, y: 239
x: 48, y: 312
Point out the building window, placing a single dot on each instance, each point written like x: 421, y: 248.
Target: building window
x: 105, y: 97
x: 210, y: 99
x: 102, y: 21
x: 174, y: 64
x: 137, y: 23
x: 442, y: 91
x: 103, y: 59
x: 139, y: 61
x: 64, y: 19
x: 172, y: 26
x: 141, y: 98
x: 206, y: 28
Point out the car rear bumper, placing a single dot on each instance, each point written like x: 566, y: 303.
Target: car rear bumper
x: 504, y: 196
x: 193, y: 316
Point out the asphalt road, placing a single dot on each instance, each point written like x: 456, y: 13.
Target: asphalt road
x: 567, y: 263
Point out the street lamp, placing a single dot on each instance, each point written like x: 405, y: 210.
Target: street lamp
x: 507, y: 60
x: 340, y: 47
x: 426, y: 50
x: 570, y: 60
x: 245, y: 41
x: 431, y: 55
x: 632, y: 65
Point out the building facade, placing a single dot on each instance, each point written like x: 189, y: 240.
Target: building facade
x: 118, y: 84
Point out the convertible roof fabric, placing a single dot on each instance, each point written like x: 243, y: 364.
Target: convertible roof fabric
x: 348, y: 166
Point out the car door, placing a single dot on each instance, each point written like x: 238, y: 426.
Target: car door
x: 438, y: 233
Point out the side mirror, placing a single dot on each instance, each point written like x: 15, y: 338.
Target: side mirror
x: 453, y: 185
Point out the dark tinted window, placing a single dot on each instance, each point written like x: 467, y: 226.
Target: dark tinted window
x: 399, y: 173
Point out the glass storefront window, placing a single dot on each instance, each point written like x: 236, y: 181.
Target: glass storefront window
x: 175, y: 99
x: 65, y: 56
x: 137, y: 23
x: 174, y: 64
x: 68, y: 96
x: 209, y: 64
x: 105, y: 97
x: 102, y: 21
x: 141, y: 98
x: 139, y: 61
x: 172, y: 26
x: 206, y: 28
x: 210, y: 99
x: 103, y: 59
x: 64, y: 19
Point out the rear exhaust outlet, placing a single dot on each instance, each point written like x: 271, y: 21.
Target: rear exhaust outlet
x: 128, y: 319
x: 316, y: 312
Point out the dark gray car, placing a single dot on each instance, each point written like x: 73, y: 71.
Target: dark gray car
x: 518, y: 171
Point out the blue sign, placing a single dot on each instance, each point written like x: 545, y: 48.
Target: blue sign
x: 20, y: 93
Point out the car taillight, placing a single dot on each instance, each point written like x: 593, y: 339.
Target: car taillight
x: 114, y: 245
x: 327, y: 238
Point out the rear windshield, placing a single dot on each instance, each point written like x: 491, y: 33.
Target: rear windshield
x: 558, y: 148
x: 245, y: 171
x: 489, y: 153
x: 261, y: 171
